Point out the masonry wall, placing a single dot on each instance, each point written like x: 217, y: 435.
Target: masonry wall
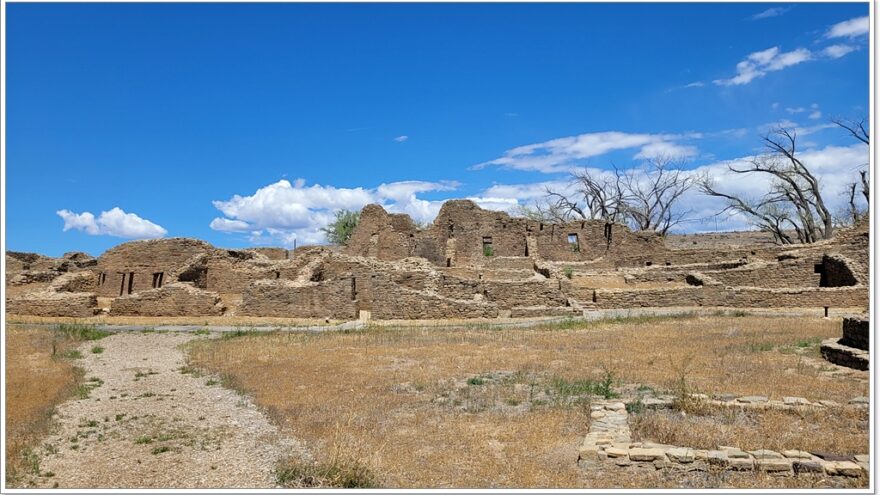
x: 174, y: 299
x: 50, y: 303
x: 735, y: 297
x: 391, y: 301
x: 144, y: 259
x: 283, y: 298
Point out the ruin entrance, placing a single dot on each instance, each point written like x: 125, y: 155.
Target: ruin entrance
x: 157, y: 279
x: 130, y: 281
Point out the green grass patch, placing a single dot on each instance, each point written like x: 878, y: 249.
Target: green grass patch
x: 334, y: 474
x: 78, y: 331
x: 97, y: 349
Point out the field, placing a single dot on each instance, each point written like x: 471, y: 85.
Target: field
x: 40, y: 373
x: 476, y: 407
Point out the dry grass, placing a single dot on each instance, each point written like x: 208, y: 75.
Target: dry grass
x: 243, y: 321
x: 37, y: 378
x: 423, y: 407
x: 843, y: 431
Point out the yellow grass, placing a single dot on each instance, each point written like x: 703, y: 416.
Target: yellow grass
x: 398, y: 400
x: 842, y: 431
x: 36, y: 380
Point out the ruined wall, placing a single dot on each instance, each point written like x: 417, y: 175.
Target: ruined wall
x: 283, y: 298
x: 272, y: 253
x: 51, y: 303
x: 391, y: 301
x: 84, y: 281
x: 173, y: 299
x: 734, y: 297
x: 135, y: 265
x: 856, y: 332
x: 382, y: 235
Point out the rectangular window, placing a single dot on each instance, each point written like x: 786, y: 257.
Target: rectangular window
x: 157, y: 279
x: 122, y: 283
x: 130, y: 281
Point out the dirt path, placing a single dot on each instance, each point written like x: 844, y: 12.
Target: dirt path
x: 150, y: 422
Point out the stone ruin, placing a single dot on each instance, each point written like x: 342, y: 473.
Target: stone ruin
x: 853, y: 350
x: 470, y: 263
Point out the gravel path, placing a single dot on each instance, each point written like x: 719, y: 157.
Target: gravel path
x: 149, y: 422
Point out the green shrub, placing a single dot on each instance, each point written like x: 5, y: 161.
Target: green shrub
x: 77, y: 331
x: 334, y: 474
x: 568, y: 272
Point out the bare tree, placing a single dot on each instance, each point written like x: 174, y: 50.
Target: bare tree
x: 651, y: 193
x: 646, y: 197
x: 794, y: 201
x: 855, y: 128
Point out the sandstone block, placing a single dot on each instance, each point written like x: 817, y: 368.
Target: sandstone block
x: 773, y: 465
x: 765, y: 454
x: 796, y: 454
x: 843, y: 468
x: 752, y: 399
x: 681, y: 455
x: 643, y: 454
x: 741, y: 463
x: 616, y: 452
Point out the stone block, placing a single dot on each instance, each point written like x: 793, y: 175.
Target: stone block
x: 796, y: 454
x: 773, y: 465
x: 843, y: 468
x: 752, y: 399
x: 614, y: 452
x: 765, y: 454
x: 681, y: 455
x: 649, y: 455
x: 741, y: 463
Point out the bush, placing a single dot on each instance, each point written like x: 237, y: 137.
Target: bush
x: 487, y: 250
x: 568, y: 272
x: 339, y: 231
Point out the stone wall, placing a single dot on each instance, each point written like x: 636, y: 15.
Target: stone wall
x: 856, y: 332
x: 284, y: 298
x: 735, y: 297
x: 173, y: 299
x: 51, y: 303
x: 135, y: 266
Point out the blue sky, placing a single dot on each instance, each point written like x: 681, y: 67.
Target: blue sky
x: 249, y: 124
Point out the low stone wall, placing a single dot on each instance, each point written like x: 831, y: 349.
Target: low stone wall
x: 835, y: 351
x: 856, y: 333
x: 284, y: 298
x: 85, y: 281
x: 510, y: 294
x: 738, y: 297
x: 51, y: 303
x: 175, y: 299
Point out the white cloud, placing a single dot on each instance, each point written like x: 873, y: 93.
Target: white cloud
x: 795, y: 109
x: 758, y: 64
x: 834, y: 166
x: 695, y: 84
x: 775, y: 105
x: 401, y: 139
x: 771, y: 12
x: 283, y: 212
x: 837, y: 51
x: 852, y: 28
x: 666, y: 149
x: 816, y: 114
x: 560, y: 155
x: 115, y: 222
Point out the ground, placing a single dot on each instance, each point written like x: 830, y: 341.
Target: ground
x: 466, y: 406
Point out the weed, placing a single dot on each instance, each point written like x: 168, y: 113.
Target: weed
x: 160, y: 449
x: 568, y: 272
x: 97, y: 349
x: 73, y: 354
x: 476, y: 381
x: 202, y: 331
x: 334, y: 474
x: 143, y: 440
x: 77, y: 331
x: 211, y: 382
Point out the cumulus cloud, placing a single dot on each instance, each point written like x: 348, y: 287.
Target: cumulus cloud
x: 115, y: 222
x: 695, y: 84
x: 560, y: 155
x: 758, y: 64
x: 852, y: 28
x: 401, y: 139
x: 771, y: 12
x: 837, y: 51
x: 284, y: 213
